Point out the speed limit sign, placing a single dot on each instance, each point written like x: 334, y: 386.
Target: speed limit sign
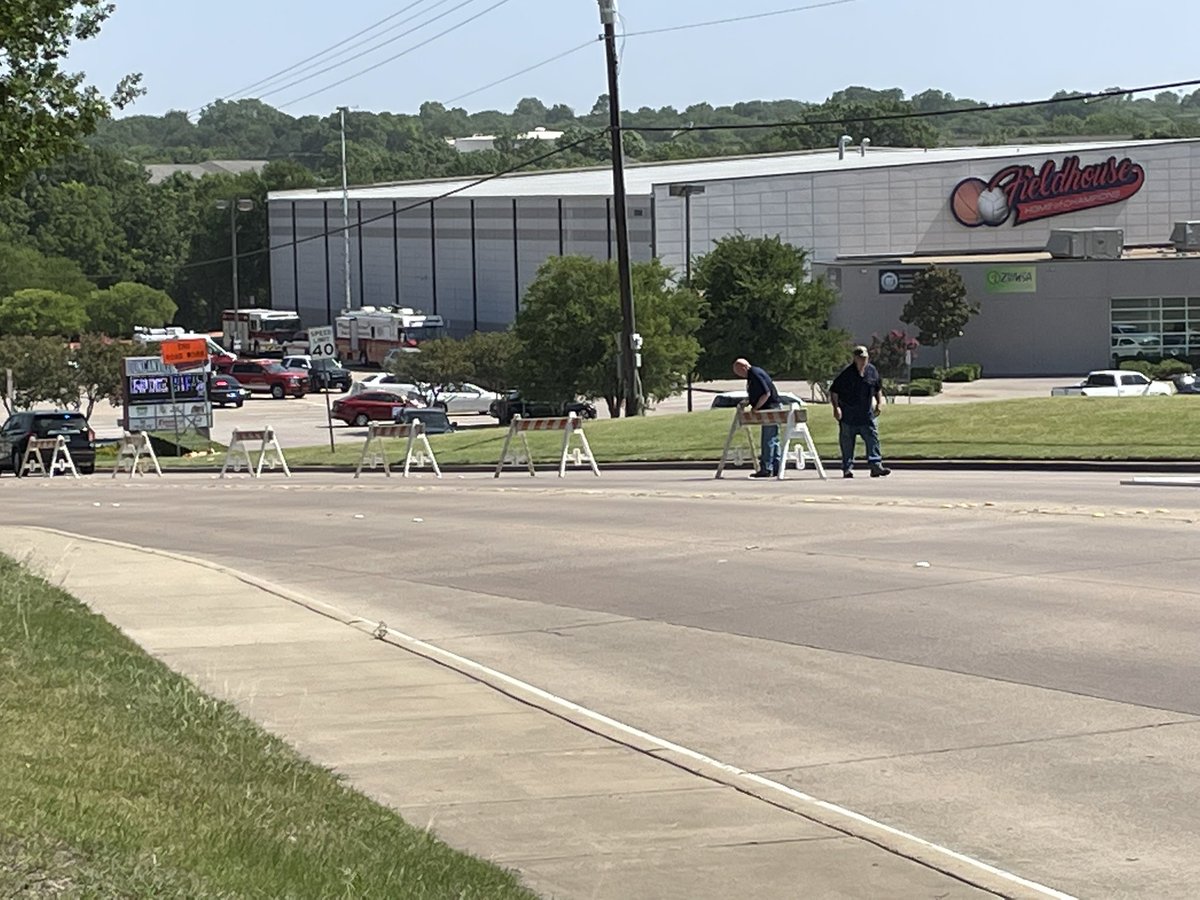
x: 320, y: 342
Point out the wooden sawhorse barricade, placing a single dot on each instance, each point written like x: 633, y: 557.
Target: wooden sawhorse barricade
x: 794, y: 425
x: 33, y: 463
x: 239, y: 455
x: 570, y: 426
x: 375, y: 452
x: 136, y: 452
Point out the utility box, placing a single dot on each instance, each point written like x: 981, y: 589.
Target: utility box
x: 1186, y: 236
x: 1086, y: 243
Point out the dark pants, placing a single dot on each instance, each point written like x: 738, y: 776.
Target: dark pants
x: 847, y: 435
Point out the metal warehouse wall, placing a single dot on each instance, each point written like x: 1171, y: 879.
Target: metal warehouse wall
x: 1061, y: 329
x: 905, y: 209
x: 468, y: 260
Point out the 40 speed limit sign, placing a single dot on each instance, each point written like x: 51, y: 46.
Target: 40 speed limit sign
x: 320, y: 342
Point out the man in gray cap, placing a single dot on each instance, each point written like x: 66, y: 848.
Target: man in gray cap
x: 857, y: 398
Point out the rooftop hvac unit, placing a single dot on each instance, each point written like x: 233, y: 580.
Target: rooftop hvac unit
x: 1086, y: 243
x: 1186, y: 236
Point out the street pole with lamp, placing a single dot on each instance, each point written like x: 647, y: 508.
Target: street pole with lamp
x: 630, y: 341
x: 342, y: 110
x: 686, y: 191
x: 234, y: 207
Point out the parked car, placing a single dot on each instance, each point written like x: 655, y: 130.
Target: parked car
x: 730, y: 399
x: 1135, y: 346
x: 225, y: 390
x: 21, y: 426
x: 1115, y: 383
x: 372, y: 406
x: 463, y: 399
x: 513, y: 404
x: 382, y: 381
x: 266, y: 376
x: 322, y: 373
x: 435, y: 420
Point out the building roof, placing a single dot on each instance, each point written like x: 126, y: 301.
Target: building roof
x: 641, y: 178
x: 160, y: 172
x: 1165, y: 251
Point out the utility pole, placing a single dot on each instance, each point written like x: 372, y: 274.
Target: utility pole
x: 629, y: 349
x: 342, y: 110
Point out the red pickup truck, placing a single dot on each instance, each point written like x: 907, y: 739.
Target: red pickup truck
x: 267, y: 376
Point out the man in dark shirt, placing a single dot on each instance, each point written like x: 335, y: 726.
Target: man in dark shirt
x: 857, y: 397
x: 761, y: 394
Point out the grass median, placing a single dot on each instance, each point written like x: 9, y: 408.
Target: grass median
x: 119, y: 778
x: 1050, y: 428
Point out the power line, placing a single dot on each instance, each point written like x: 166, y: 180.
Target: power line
x: 294, y: 66
x: 591, y: 136
x: 730, y: 21
x: 927, y: 114
x: 370, y: 50
x: 544, y: 62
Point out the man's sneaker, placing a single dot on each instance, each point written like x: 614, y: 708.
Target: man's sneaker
x: 880, y: 471
x: 847, y: 474
x: 761, y: 473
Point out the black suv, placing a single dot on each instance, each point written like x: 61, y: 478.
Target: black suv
x: 21, y: 426
x: 513, y: 404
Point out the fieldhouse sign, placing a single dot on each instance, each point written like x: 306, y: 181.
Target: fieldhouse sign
x: 1025, y: 194
x: 1011, y: 280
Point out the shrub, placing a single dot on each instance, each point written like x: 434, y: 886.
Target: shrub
x: 1136, y: 365
x: 920, y: 372
x: 922, y: 387
x: 963, y: 372
x: 1169, y: 367
x: 888, y: 353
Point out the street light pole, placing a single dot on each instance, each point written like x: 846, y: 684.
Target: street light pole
x: 342, y: 110
x: 629, y: 354
x: 686, y: 191
x: 234, y: 207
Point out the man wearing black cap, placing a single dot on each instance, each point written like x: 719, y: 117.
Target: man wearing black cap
x: 857, y: 397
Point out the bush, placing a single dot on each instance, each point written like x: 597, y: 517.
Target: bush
x: 1169, y: 367
x: 923, y: 372
x: 1136, y: 365
x: 964, y: 372
x: 922, y: 387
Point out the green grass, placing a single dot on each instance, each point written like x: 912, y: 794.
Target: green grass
x: 1029, y: 429
x: 120, y: 779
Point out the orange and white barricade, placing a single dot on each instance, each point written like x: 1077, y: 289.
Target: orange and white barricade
x: 793, y: 425
x: 136, y: 452
x: 570, y: 425
x: 238, y: 454
x: 33, y: 463
x: 375, y: 451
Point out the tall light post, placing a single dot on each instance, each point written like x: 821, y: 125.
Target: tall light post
x: 342, y: 110
x: 686, y: 191
x: 630, y: 342
x: 234, y: 207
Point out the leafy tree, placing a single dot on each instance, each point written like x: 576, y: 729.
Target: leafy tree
x: 824, y: 354
x: 116, y: 311
x: 25, y: 267
x: 439, y: 362
x: 42, y: 313
x: 490, y: 357
x: 47, y: 110
x: 570, y: 321
x: 761, y: 305
x: 890, y: 353
x: 41, y: 371
x: 939, y: 308
x: 98, y: 366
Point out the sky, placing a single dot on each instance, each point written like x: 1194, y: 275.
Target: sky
x: 192, y: 54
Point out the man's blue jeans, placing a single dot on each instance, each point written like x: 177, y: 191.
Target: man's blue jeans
x: 847, y: 435
x: 769, y: 455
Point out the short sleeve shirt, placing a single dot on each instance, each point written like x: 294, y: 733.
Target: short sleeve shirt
x: 758, y: 382
x: 856, y: 393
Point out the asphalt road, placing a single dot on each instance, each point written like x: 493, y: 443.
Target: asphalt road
x: 1004, y: 664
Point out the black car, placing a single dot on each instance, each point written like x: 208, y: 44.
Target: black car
x: 515, y: 405
x: 1186, y: 384
x: 225, y: 390
x: 434, y: 420
x: 323, y: 373
x: 21, y: 426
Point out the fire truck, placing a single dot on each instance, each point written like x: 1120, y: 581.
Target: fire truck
x: 258, y: 331
x: 366, y: 335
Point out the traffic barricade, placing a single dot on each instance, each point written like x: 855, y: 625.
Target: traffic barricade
x: 34, y: 463
x: 793, y: 425
x: 375, y: 450
x: 570, y: 425
x: 269, y: 452
x: 136, y: 452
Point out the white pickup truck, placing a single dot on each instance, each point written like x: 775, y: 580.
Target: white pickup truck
x: 1115, y: 383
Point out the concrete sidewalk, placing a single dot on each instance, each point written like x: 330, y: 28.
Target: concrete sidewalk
x: 579, y: 810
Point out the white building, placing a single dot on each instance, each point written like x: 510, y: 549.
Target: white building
x: 868, y: 216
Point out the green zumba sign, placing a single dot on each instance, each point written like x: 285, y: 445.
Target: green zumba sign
x: 1012, y: 280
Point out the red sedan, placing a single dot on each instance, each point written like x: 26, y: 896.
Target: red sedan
x: 372, y: 406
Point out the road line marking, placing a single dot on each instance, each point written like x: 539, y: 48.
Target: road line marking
x: 453, y: 660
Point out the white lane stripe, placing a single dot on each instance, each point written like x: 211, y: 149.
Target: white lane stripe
x: 432, y: 650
